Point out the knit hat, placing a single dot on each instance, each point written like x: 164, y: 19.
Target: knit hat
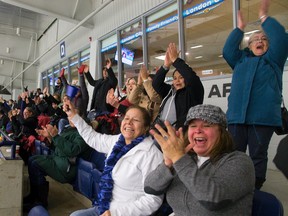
x: 208, y: 113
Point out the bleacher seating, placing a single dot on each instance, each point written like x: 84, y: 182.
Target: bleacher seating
x: 266, y: 204
x: 37, y: 211
x: 41, y: 148
x: 84, y: 179
x: 8, y: 141
x: 12, y: 155
x: 88, y: 174
x: 38, y: 149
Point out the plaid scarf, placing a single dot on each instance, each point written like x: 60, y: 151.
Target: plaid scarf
x: 106, y: 181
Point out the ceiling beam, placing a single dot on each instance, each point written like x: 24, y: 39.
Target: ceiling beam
x: 15, y: 59
x: 75, y: 9
x: 46, y: 12
x: 89, y: 16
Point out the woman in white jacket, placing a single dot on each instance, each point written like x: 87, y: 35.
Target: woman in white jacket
x: 131, y: 156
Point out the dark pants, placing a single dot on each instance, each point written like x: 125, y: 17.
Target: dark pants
x: 257, y: 138
x: 39, y: 187
x: 36, y: 173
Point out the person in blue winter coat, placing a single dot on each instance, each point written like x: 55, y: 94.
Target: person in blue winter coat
x: 256, y: 90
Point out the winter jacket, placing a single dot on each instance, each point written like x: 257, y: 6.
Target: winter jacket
x: 129, y: 173
x: 145, y: 96
x: 192, y: 94
x: 256, y: 89
x: 67, y: 145
x: 4, y: 121
x: 101, y: 87
x: 25, y: 126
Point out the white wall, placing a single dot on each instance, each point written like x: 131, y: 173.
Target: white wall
x: 120, y: 12
x: 73, y: 43
x: 115, y: 14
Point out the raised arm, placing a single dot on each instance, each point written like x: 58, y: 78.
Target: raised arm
x: 147, y: 84
x: 278, y: 38
x: 100, y: 142
x: 263, y: 10
x: 158, y: 83
x: 231, y: 49
x: 111, y: 75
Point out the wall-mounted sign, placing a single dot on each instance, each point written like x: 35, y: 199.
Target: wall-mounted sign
x: 62, y: 49
x: 207, y: 72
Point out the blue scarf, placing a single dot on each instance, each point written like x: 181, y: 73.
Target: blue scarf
x: 106, y: 181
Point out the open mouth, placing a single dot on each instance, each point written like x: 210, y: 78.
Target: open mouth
x: 259, y: 47
x: 200, y: 140
x: 128, y: 129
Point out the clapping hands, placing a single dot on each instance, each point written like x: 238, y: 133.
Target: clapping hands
x: 172, y: 142
x: 48, y: 131
x: 171, y: 55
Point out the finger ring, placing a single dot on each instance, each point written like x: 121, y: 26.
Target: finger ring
x: 165, y: 138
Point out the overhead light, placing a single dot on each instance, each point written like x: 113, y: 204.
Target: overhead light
x: 161, y: 57
x: 1, y: 61
x: 195, y: 47
x: 250, y: 32
x: 7, y: 50
x: 220, y: 56
x: 140, y: 63
x: 18, y: 31
x: 186, y: 53
x: 198, y: 57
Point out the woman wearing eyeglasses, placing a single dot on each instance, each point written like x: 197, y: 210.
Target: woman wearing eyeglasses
x: 256, y: 89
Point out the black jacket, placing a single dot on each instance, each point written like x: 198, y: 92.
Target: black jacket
x: 4, y: 121
x: 25, y: 126
x: 101, y: 87
x: 192, y: 94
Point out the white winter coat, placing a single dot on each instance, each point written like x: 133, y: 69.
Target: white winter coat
x: 129, y: 173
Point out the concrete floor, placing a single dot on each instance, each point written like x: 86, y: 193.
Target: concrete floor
x: 62, y: 199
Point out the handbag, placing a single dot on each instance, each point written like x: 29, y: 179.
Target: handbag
x: 280, y: 160
x: 283, y: 129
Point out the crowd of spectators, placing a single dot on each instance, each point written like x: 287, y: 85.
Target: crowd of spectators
x: 161, y: 142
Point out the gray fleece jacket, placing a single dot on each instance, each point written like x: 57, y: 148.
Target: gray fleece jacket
x: 222, y: 188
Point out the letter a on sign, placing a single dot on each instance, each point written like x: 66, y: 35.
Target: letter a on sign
x: 62, y: 49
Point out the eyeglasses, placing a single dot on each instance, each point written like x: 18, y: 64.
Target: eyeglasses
x: 256, y: 40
